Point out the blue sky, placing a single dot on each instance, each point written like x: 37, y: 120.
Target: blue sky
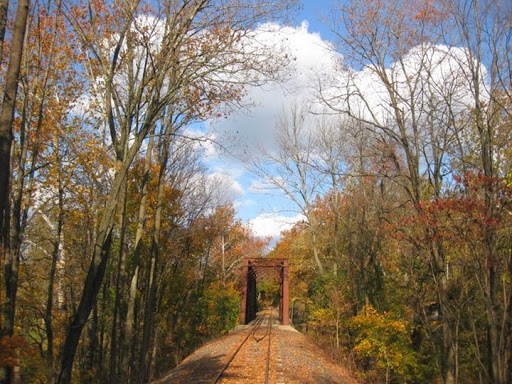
x: 310, y: 44
x: 268, y: 213
x: 313, y: 11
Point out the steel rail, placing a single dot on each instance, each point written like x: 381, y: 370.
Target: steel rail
x: 258, y: 339
x: 267, y: 370
x: 252, y: 332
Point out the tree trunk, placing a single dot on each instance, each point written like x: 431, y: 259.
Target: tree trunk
x: 9, y: 260
x: 99, y: 364
x: 336, y: 208
x: 120, y: 277
x: 6, y: 121
x: 313, y: 227
x: 448, y: 350
x: 57, y: 248
x: 87, y: 302
x: 153, y: 261
x: 448, y: 347
x: 150, y: 286
x: 486, y: 124
x: 101, y: 253
x: 129, y: 323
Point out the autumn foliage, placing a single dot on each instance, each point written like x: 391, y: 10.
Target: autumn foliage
x: 120, y: 252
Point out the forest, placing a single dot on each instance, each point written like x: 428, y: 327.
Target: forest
x: 120, y: 254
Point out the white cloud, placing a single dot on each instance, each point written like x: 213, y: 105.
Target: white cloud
x: 311, y: 57
x: 316, y: 64
x: 227, y: 181
x: 272, y: 224
x: 232, y: 171
x: 443, y: 68
x: 245, y: 203
x: 260, y: 186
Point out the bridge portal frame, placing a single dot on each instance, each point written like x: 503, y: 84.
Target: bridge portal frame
x: 249, y: 276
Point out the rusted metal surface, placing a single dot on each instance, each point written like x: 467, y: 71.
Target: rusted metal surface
x: 256, y: 269
x: 245, y: 278
x: 285, y: 295
x: 252, y: 302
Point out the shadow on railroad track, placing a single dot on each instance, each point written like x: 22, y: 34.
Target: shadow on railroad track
x: 201, y: 369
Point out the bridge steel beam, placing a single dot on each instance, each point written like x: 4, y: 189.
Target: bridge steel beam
x: 245, y: 277
x: 252, y: 302
x: 285, y: 295
x: 249, y: 275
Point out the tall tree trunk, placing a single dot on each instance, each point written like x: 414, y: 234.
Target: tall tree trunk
x: 314, y: 245
x: 87, y: 302
x: 6, y: 121
x: 9, y: 260
x: 412, y: 152
x: 336, y: 209
x: 486, y: 123
x: 129, y: 323
x: 120, y: 277
x: 448, y: 348
x: 147, y: 331
x: 153, y: 262
x: 100, y: 256
x: 99, y: 365
x: 57, y: 250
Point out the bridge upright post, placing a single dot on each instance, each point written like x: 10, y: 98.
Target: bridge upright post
x: 285, y: 305
x: 245, y: 276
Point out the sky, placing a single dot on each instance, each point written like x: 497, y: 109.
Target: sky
x: 268, y: 213
x: 307, y: 41
x: 313, y: 12
x: 310, y: 43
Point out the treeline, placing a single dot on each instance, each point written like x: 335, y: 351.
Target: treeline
x: 118, y: 250
x: 403, y: 263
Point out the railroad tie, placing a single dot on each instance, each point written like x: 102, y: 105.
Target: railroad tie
x: 279, y: 364
x: 279, y: 371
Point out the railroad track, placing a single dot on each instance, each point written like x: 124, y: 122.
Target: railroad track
x: 258, y: 332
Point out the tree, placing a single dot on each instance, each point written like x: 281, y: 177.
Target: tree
x: 385, y: 340
x: 10, y: 261
x: 160, y: 59
x: 289, y: 169
x: 483, y: 29
x: 332, y: 162
x: 395, y: 44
